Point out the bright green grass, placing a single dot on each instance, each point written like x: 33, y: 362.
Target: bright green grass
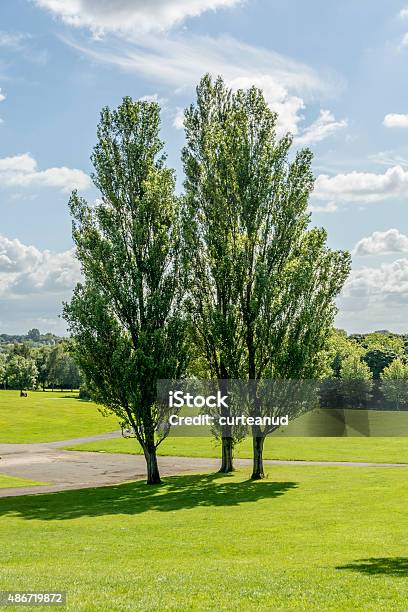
x: 46, y: 417
x: 11, y: 481
x: 310, y: 538
x: 281, y: 446
x: 377, y: 450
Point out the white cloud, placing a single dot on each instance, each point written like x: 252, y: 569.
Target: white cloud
x: 33, y: 285
x: 385, y: 282
x: 154, y: 98
x: 395, y: 120
x: 25, y: 270
x: 181, y: 62
x: 404, y: 13
x: 178, y: 121
x: 324, y: 126
x: 129, y: 15
x: 375, y: 298
x: 22, y: 171
x: 363, y: 187
x: 382, y: 243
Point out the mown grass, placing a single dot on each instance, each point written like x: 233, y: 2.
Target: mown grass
x: 297, y: 441
x: 307, y: 538
x: 11, y: 481
x: 376, y: 450
x: 49, y: 416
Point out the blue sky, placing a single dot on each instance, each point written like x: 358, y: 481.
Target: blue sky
x: 335, y: 72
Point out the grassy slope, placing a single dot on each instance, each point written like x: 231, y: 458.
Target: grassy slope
x: 298, y: 542
x: 45, y: 417
x: 11, y: 481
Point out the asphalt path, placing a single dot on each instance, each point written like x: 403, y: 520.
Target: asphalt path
x: 64, y: 470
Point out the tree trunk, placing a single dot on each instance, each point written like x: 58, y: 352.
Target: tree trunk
x: 153, y: 475
x: 227, y: 458
x: 257, y: 471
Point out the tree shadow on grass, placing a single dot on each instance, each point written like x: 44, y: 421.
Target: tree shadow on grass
x: 178, y: 492
x: 385, y: 566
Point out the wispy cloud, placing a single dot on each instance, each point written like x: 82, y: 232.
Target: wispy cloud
x: 325, y: 125
x: 382, y: 243
x: 180, y: 62
x: 14, y: 40
x: 363, y: 187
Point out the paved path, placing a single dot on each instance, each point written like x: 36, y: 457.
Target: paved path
x: 65, y: 470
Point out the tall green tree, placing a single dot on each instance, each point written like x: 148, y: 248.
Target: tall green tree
x: 263, y: 283
x: 357, y: 381
x: 395, y: 383
x: 41, y: 356
x: 21, y: 373
x: 125, y: 317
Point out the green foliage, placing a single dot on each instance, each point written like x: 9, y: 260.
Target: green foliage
x: 41, y: 357
x: 339, y: 347
x: 262, y: 283
x: 34, y: 334
x: 395, y: 383
x: 384, y: 342
x: 126, y: 317
x: 358, y: 380
x: 378, y: 359
x: 62, y: 370
x: 21, y: 373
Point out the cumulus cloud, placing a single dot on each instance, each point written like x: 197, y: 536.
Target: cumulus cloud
x: 394, y: 120
x: 382, y: 243
x: 25, y: 270
x: 325, y: 125
x: 33, y: 285
x: 375, y: 298
x: 129, y: 15
x: 388, y: 281
x: 363, y: 187
x: 22, y: 171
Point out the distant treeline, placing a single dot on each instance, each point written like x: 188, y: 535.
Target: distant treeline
x: 35, y: 360
x: 33, y: 336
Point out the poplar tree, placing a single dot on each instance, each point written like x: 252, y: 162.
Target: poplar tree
x: 125, y: 317
x: 263, y: 283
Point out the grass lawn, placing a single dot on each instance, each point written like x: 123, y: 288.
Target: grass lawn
x: 282, y: 446
x: 11, y: 481
x: 46, y: 417
x: 308, y: 538
x: 377, y: 450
